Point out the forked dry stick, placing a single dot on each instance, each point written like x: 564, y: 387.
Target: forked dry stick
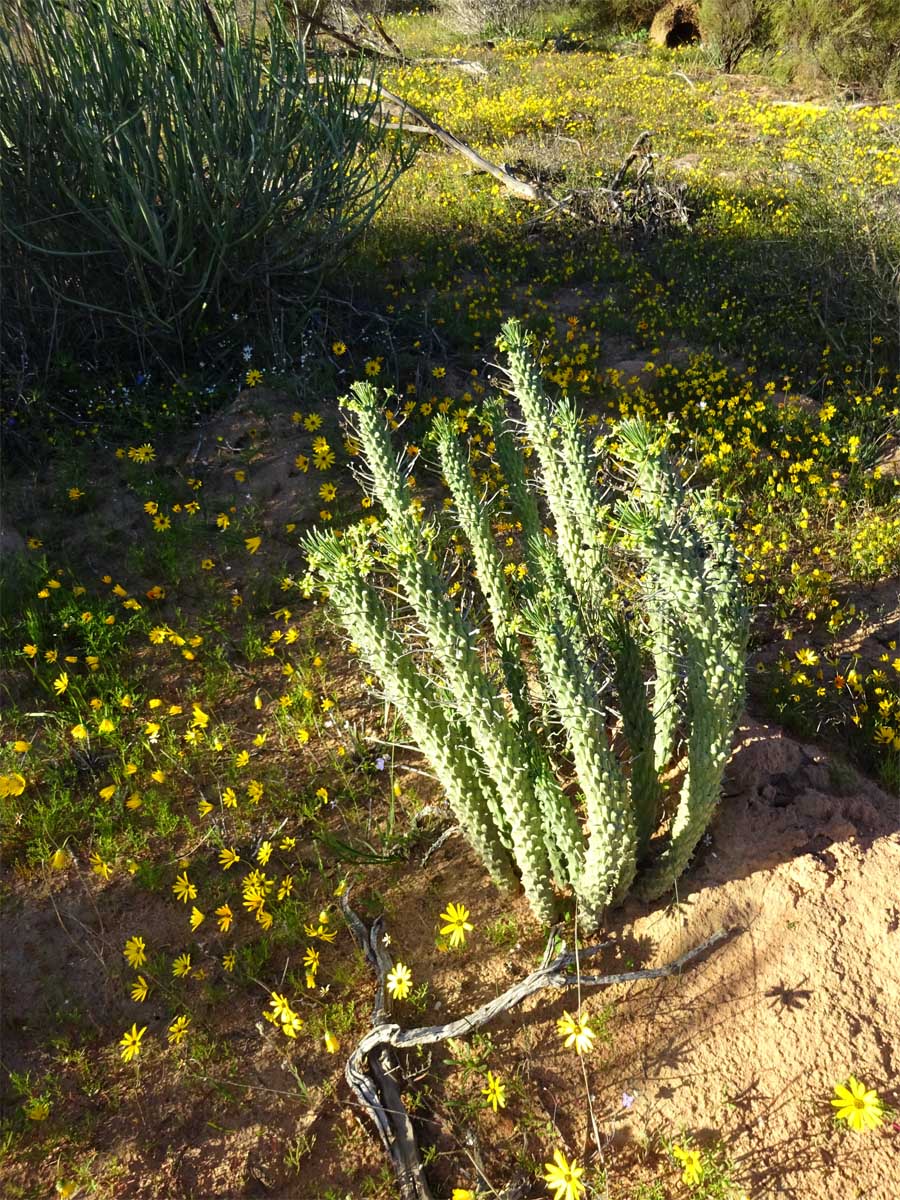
x: 373, y: 1070
x: 641, y: 147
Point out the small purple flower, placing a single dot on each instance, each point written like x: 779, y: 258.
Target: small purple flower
x: 627, y: 1100
x: 379, y: 764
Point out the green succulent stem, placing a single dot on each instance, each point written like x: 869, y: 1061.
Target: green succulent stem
x: 556, y: 693
x: 437, y: 731
x: 506, y: 757
x: 388, y: 481
x: 610, y: 859
x: 543, y: 435
x: 639, y: 729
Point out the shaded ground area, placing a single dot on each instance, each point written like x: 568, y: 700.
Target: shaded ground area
x: 744, y: 1048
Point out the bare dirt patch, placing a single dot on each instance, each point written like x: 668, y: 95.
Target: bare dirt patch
x: 745, y: 1047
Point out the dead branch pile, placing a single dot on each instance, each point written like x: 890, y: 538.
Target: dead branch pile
x: 635, y: 199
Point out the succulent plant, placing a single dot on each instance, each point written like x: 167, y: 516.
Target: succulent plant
x: 579, y: 720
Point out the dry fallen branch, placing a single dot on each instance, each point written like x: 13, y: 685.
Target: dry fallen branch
x: 641, y: 148
x: 422, y: 122
x: 373, y: 1070
x: 646, y: 206
x: 642, y: 205
x: 519, y: 187
x: 378, y: 44
x: 468, y: 66
x: 387, y: 49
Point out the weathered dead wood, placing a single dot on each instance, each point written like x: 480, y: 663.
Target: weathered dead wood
x: 372, y: 16
x: 649, y: 208
x: 387, y: 50
x: 469, y: 66
x: 373, y: 1070
x: 641, y: 147
x: 519, y: 187
x: 313, y: 20
x: 400, y: 127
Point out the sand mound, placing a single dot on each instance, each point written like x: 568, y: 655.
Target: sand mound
x: 749, y: 1045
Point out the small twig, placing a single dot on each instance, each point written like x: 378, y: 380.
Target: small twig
x: 87, y: 941
x: 436, y: 845
x: 415, y: 771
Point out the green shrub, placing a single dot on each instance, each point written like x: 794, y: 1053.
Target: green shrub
x: 630, y: 612
x: 632, y: 13
x: 624, y: 15
x: 846, y: 230
x: 852, y: 42
x: 160, y: 171
x: 732, y: 27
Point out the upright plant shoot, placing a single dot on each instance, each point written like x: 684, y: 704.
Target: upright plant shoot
x: 580, y: 721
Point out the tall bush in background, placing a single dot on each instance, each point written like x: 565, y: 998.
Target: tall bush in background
x: 847, y: 229
x: 162, y: 167
x: 848, y: 41
x: 624, y: 14
x: 630, y: 615
x: 732, y: 27
x: 497, y: 18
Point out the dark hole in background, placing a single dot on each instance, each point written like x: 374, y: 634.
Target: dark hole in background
x: 681, y: 33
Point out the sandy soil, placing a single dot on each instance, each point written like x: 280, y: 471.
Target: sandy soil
x: 750, y: 1043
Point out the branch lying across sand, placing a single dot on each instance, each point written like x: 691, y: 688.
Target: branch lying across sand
x: 373, y: 1070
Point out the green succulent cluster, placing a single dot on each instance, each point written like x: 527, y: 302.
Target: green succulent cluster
x: 580, y: 721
